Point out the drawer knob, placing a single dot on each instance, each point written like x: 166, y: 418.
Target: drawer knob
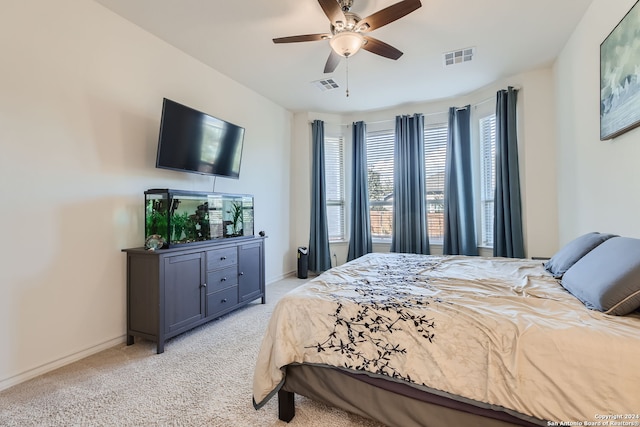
x: 224, y: 279
x: 224, y: 300
x: 204, y: 285
x: 242, y: 273
x: 222, y: 258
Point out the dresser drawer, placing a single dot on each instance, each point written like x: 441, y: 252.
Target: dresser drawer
x: 218, y: 302
x: 221, y: 258
x: 221, y: 279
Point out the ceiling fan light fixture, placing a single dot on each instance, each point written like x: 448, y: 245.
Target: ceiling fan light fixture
x: 346, y: 43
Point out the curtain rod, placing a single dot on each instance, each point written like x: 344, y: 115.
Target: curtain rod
x: 484, y: 101
x: 381, y: 121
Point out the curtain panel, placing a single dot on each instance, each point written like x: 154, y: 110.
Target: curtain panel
x: 459, y: 213
x: 319, y: 252
x: 360, y: 235
x: 508, y: 236
x: 409, y: 230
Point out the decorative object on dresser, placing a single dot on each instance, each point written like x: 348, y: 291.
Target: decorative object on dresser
x: 190, y: 217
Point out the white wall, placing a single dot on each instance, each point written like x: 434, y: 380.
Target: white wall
x: 80, y: 99
x: 536, y: 155
x: 598, y: 181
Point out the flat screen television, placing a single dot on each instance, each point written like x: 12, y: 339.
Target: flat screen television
x: 193, y: 141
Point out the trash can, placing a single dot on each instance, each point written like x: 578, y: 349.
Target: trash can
x: 303, y: 262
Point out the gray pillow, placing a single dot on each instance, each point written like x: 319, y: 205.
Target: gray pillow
x: 573, y: 251
x: 608, y: 278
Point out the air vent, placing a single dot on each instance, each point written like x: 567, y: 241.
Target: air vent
x: 459, y: 56
x: 325, y: 84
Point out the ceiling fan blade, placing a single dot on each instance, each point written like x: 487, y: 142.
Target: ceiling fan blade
x: 333, y: 11
x: 302, y: 38
x: 381, y: 48
x: 332, y: 62
x: 388, y: 15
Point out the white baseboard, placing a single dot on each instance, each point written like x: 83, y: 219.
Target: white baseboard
x: 280, y: 277
x: 63, y: 361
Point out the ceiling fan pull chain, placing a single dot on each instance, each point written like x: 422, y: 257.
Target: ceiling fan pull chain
x: 347, y: 62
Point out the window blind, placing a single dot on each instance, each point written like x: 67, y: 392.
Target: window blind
x: 488, y: 176
x: 380, y: 176
x: 435, y: 153
x: 380, y: 181
x: 334, y: 176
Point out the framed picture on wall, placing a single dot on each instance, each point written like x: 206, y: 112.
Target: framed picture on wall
x: 620, y: 77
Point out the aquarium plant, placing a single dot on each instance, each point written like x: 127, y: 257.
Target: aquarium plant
x: 156, y: 219
x: 179, y: 222
x: 236, y: 217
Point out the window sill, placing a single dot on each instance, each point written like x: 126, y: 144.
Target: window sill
x: 338, y: 242
x: 381, y: 241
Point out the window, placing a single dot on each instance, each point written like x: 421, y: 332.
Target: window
x: 380, y: 180
x: 334, y: 176
x: 487, y: 133
x: 435, y: 152
x: 380, y: 159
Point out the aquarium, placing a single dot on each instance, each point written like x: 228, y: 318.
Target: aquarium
x: 174, y: 217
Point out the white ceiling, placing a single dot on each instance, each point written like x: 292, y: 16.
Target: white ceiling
x: 235, y: 38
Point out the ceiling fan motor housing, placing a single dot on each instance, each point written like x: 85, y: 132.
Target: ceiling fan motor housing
x: 351, y: 23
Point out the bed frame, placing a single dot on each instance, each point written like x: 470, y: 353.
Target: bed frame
x: 390, y: 403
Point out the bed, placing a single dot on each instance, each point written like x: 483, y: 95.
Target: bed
x: 451, y: 340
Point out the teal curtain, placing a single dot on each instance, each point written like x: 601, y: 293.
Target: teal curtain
x: 360, y: 235
x: 409, y: 230
x: 508, y: 237
x: 459, y: 216
x: 319, y: 252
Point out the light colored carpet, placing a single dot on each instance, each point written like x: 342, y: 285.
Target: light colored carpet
x: 203, y: 378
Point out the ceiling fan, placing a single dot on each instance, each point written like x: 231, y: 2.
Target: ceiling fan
x: 348, y: 30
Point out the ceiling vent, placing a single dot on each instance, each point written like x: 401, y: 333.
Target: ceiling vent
x: 325, y: 84
x: 459, y: 56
